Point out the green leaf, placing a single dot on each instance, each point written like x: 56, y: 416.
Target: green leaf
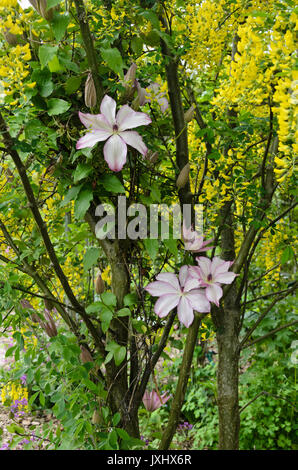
x: 113, y: 438
x: 83, y: 202
x: 109, y: 357
x: 71, y: 195
x: 171, y: 245
x: 59, y: 25
x: 123, y: 312
x: 42, y: 399
x: 122, y: 434
x: 52, y: 3
x: 90, y: 385
x: 119, y: 355
x: 116, y: 419
x: 112, y: 184
x: 155, y: 193
x: 54, y: 65
x: 72, y: 84
x: 14, y: 428
x: 95, y: 307
x: 57, y: 106
x: 91, y: 257
x: 152, y: 17
x: 137, y: 45
x: 46, y: 54
x: 109, y: 299
x: 82, y: 171
x: 105, y: 317
x: 114, y: 60
x: 130, y: 299
x: 287, y: 255
x: 151, y: 246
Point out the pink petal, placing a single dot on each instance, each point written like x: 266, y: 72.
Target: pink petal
x: 214, y: 293
x: 183, y: 274
x: 191, y: 283
x: 108, y: 109
x: 165, y: 304
x: 95, y: 121
x: 135, y: 140
x: 115, y: 151
x: 198, y: 300
x: 205, y: 265
x: 225, y: 278
x: 127, y: 118
x: 219, y: 266
x: 170, y: 278
x: 141, y: 94
x: 90, y: 139
x: 185, y: 312
x: 165, y: 397
x: 195, y: 271
x: 163, y: 103
x: 158, y: 288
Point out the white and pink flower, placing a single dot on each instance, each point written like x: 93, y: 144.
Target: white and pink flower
x: 180, y: 292
x: 113, y: 128
x: 193, y: 241
x: 210, y: 274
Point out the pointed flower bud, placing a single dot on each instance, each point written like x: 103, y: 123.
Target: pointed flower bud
x: 90, y: 92
x: 49, y: 326
x: 129, y: 77
x: 42, y: 8
x: 183, y: 176
x: 189, y: 115
x: 85, y: 355
x: 99, y: 285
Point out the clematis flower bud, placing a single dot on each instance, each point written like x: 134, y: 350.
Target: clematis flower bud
x: 90, y: 92
x: 189, y: 115
x: 99, y: 285
x: 41, y: 8
x: 85, y: 355
x: 49, y: 326
x: 152, y: 401
x: 183, y: 176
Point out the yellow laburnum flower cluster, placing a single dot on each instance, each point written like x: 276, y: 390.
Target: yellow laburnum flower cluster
x: 108, y: 21
x: 13, y: 392
x: 206, y: 31
x: 13, y: 71
x: 106, y: 275
x: 271, y: 256
x: 263, y: 74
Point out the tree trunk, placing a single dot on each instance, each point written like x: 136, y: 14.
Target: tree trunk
x: 227, y: 380
x: 227, y: 319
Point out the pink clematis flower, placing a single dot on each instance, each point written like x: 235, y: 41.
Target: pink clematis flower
x: 114, y: 129
x: 179, y: 292
x: 152, y: 401
x: 210, y: 274
x: 194, y: 241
